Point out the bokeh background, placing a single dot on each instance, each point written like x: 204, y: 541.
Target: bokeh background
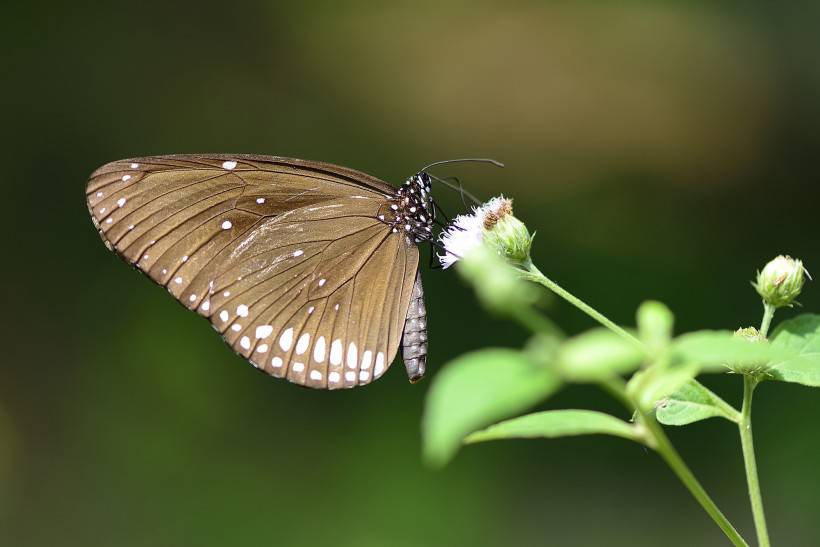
x: 661, y: 150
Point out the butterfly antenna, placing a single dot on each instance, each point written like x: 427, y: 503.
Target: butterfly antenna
x: 464, y: 160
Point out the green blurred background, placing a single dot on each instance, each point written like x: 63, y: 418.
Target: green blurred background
x: 661, y: 150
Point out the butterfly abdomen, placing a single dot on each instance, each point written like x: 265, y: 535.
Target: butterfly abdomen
x: 414, y: 340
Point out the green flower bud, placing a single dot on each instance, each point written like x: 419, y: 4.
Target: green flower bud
x: 508, y: 235
x: 491, y: 225
x: 781, y: 281
x: 751, y: 334
x: 759, y: 370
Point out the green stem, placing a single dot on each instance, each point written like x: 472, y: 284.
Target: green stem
x: 534, y: 274
x: 747, y: 442
x: 768, y: 313
x: 670, y: 455
x: 657, y: 439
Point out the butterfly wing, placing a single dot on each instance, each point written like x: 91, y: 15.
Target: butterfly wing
x: 288, y: 259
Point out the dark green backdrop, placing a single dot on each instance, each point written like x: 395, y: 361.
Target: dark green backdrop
x: 661, y: 151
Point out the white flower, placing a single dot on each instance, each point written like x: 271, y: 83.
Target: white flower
x: 466, y: 232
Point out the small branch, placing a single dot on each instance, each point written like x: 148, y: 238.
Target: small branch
x: 768, y: 313
x: 534, y: 274
x: 750, y: 463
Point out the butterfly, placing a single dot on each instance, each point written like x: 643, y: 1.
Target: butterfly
x: 308, y: 270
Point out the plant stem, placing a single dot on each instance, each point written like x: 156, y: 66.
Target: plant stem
x: 534, y: 274
x: 663, y: 446
x: 768, y: 313
x: 673, y: 459
x: 747, y: 442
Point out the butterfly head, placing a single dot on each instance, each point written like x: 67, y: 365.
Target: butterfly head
x: 412, y: 211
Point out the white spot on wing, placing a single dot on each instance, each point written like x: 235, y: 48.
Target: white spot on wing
x: 336, y: 352
x: 134, y: 165
x: 99, y: 194
x: 352, y: 356
x: 242, y: 310
x: 299, y: 252
x: 364, y: 376
x: 227, y: 225
x: 367, y: 359
x: 319, y: 350
x: 263, y: 331
x: 224, y: 315
x: 298, y: 367
x: 121, y: 202
x: 178, y: 279
x: 276, y: 362
x: 321, y: 281
x: 260, y: 201
x: 236, y: 327
x: 379, y: 368
x: 126, y: 178
x: 286, y: 339
x: 303, y: 343
x: 315, y: 375
x: 350, y: 376
x: 262, y: 348
x: 310, y: 310
x: 230, y: 164
x: 334, y: 377
x: 192, y: 298
x: 206, y: 305
x: 245, y: 342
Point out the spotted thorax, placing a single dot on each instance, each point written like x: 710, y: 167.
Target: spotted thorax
x: 412, y: 211
x: 491, y: 224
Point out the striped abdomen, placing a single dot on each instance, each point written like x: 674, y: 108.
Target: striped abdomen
x: 414, y: 340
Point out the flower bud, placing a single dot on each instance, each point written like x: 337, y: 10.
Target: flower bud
x: 491, y: 225
x: 781, y: 281
x: 506, y: 234
x: 751, y: 334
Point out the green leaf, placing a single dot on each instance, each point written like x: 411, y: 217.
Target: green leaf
x: 655, y: 323
x: 477, y: 389
x: 693, y: 402
x: 720, y: 351
x: 557, y: 423
x: 799, y: 337
x: 656, y: 382
x: 597, y: 355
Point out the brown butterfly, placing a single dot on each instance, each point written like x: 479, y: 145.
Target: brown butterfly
x: 307, y: 270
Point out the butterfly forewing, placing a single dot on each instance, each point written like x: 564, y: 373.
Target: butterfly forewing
x: 288, y: 259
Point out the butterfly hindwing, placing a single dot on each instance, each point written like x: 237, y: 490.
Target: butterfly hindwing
x: 288, y: 259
